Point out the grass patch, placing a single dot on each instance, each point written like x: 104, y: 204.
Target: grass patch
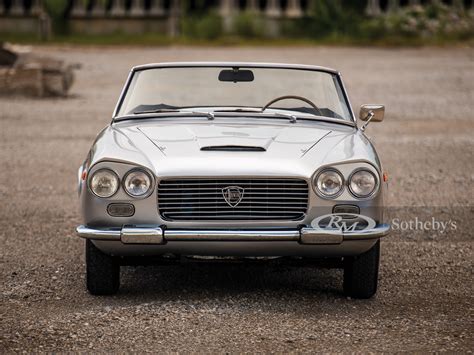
x: 151, y: 39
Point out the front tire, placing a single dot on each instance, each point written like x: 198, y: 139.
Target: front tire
x: 361, y: 273
x: 102, y: 271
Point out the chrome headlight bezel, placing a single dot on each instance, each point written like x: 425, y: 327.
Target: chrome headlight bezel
x: 91, y: 177
x: 147, y: 174
x: 319, y: 192
x: 374, y: 190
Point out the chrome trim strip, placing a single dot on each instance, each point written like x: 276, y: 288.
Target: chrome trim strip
x: 348, y: 100
x: 234, y: 64
x: 122, y: 95
x: 185, y: 114
x: 138, y: 235
x: 315, y: 236
x: 157, y: 235
x: 98, y: 233
x: 232, y: 235
x: 379, y: 231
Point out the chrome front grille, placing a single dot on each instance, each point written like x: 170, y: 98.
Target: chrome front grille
x: 205, y: 200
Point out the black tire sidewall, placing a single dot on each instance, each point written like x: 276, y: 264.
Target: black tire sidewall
x: 102, y: 271
x: 361, y: 273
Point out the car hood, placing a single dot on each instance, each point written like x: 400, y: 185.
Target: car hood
x: 196, y: 140
x: 189, y: 148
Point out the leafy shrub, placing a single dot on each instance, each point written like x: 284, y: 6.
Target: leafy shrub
x: 329, y: 17
x: 435, y: 21
x: 56, y: 10
x: 248, y: 25
x: 206, y: 27
x: 297, y: 28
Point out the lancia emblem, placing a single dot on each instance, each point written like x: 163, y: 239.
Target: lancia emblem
x: 233, y: 195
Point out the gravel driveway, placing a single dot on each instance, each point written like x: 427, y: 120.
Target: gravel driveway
x: 425, y: 298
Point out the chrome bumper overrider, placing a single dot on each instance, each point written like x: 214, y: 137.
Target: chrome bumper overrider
x: 158, y: 235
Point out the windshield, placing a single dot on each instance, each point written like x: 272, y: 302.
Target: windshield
x: 206, y: 89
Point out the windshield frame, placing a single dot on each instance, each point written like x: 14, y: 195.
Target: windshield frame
x: 247, y: 65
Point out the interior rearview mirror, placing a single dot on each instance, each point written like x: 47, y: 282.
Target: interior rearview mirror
x: 236, y: 75
x: 376, y: 111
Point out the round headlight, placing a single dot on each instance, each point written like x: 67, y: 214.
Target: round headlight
x: 104, y: 183
x: 329, y: 183
x: 362, y: 183
x: 137, y: 183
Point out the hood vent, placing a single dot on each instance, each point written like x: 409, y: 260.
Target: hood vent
x: 233, y: 148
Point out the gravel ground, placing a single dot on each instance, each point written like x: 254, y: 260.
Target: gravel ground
x: 425, y: 298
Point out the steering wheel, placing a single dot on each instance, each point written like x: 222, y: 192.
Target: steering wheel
x: 287, y: 97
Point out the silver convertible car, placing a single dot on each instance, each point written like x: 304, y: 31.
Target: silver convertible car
x: 238, y: 160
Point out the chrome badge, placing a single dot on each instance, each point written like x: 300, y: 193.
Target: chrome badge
x: 233, y: 195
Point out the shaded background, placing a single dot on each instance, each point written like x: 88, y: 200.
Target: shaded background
x: 236, y: 21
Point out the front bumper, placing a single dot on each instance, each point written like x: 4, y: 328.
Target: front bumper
x: 157, y: 235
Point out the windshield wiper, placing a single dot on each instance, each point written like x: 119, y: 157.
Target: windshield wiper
x: 158, y: 110
x: 162, y: 112
x: 209, y: 115
x: 287, y: 115
x: 253, y: 110
x: 257, y: 110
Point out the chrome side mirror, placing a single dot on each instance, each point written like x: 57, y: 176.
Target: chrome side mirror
x: 370, y: 113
